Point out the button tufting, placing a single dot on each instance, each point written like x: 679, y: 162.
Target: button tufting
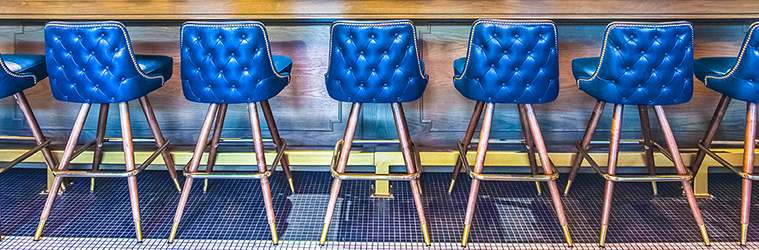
x: 243, y: 36
x: 516, y: 36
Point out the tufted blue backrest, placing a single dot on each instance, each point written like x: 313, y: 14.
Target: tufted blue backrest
x: 93, y: 62
x: 644, y: 64
x: 742, y: 80
x: 228, y: 62
x: 511, y: 62
x: 374, y: 62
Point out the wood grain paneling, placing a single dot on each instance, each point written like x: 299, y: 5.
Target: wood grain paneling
x: 375, y: 9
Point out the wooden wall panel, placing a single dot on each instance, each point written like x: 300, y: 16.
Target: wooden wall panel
x: 308, y: 117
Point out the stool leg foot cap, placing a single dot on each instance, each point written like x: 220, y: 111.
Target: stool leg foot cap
x: 566, y: 235
x: 138, y: 230
x: 744, y: 234
x: 450, y: 188
x: 38, y: 234
x: 566, y: 189
x: 465, y: 238
x: 705, y: 235
x: 426, y: 235
x: 292, y: 186
x: 176, y: 184
x: 324, y: 235
x: 173, y: 234
x: 603, y: 235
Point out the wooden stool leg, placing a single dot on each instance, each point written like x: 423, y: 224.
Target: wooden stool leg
x: 482, y: 148
x: 217, y: 128
x: 350, y: 129
x: 63, y: 165
x: 719, y: 113
x: 529, y: 143
x: 97, y: 156
x: 591, y: 127
x: 159, y: 140
x: 35, y: 127
x: 258, y: 141
x: 467, y: 139
x: 194, y: 163
x: 681, y: 171
x: 540, y: 145
x: 748, y: 167
x: 409, y: 160
x: 616, y: 130
x: 645, y: 129
x: 277, y: 141
x: 126, y: 139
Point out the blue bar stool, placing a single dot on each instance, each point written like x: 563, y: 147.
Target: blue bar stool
x: 20, y: 72
x: 375, y: 62
x: 230, y: 62
x: 734, y: 78
x: 644, y: 64
x: 509, y: 62
x: 93, y: 62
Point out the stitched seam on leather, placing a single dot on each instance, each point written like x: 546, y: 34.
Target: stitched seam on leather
x: 16, y: 75
x: 631, y: 24
x: 123, y: 30
x: 244, y: 24
x: 753, y: 27
x: 378, y: 24
x: 519, y: 23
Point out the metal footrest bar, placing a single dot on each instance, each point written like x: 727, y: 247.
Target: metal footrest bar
x: 634, y: 178
x: 110, y: 174
x: 26, y: 154
x: 720, y: 160
x: 371, y: 177
x: 237, y: 175
x: 503, y: 177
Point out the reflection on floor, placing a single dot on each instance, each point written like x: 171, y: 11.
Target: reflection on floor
x: 509, y: 215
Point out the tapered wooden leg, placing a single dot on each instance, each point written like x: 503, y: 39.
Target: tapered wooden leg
x: 681, y: 171
x: 217, y: 128
x: 591, y: 127
x: 719, y: 113
x: 97, y: 156
x: 63, y: 165
x: 126, y: 136
x: 467, y: 139
x: 645, y: 129
x: 35, y: 127
x: 350, y: 129
x: 540, y: 145
x: 529, y: 143
x: 414, y: 153
x: 159, y: 140
x: 195, y: 162
x: 482, y: 148
x: 616, y: 130
x: 277, y: 141
x: 258, y: 141
x: 408, y: 158
x: 748, y: 167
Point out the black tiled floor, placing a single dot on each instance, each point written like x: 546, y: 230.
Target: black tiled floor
x: 506, y: 212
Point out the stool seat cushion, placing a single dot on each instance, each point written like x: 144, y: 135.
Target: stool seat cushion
x: 583, y: 68
x: 509, y: 62
x: 230, y: 62
x: 155, y: 65
x: 20, y: 72
x: 93, y: 62
x: 712, y: 66
x: 640, y: 64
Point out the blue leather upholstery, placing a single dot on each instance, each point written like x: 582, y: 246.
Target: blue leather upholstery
x: 641, y: 64
x: 230, y: 62
x: 738, y: 77
x: 510, y: 62
x: 375, y: 62
x: 93, y: 62
x: 20, y: 72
